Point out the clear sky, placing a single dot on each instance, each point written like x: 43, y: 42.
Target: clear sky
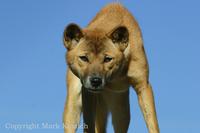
x: 33, y: 68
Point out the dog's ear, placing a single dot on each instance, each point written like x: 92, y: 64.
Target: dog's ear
x: 120, y: 37
x: 72, y: 35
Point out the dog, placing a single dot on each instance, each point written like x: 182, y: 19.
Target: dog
x: 105, y: 59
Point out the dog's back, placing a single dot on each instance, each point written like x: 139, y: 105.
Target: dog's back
x: 114, y: 15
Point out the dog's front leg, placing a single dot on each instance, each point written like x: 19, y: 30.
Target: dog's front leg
x: 89, y: 110
x: 73, y: 106
x: 146, y: 102
x: 118, y: 104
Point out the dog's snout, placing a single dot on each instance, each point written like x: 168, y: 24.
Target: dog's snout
x: 96, y: 81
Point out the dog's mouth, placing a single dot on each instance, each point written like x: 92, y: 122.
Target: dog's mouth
x: 93, y: 86
x: 94, y: 90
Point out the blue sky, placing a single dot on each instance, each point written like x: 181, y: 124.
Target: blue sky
x: 33, y: 68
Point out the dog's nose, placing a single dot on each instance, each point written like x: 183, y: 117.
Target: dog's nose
x: 96, y: 81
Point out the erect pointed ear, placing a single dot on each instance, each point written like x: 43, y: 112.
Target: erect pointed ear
x: 72, y: 35
x: 120, y: 37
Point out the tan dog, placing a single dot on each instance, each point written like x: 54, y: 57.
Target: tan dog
x: 105, y: 59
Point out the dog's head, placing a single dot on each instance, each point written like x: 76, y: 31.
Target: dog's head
x: 94, y: 56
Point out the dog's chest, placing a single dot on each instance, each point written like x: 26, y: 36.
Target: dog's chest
x: 120, y: 84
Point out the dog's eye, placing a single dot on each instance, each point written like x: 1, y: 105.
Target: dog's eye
x: 84, y: 58
x: 107, y: 59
